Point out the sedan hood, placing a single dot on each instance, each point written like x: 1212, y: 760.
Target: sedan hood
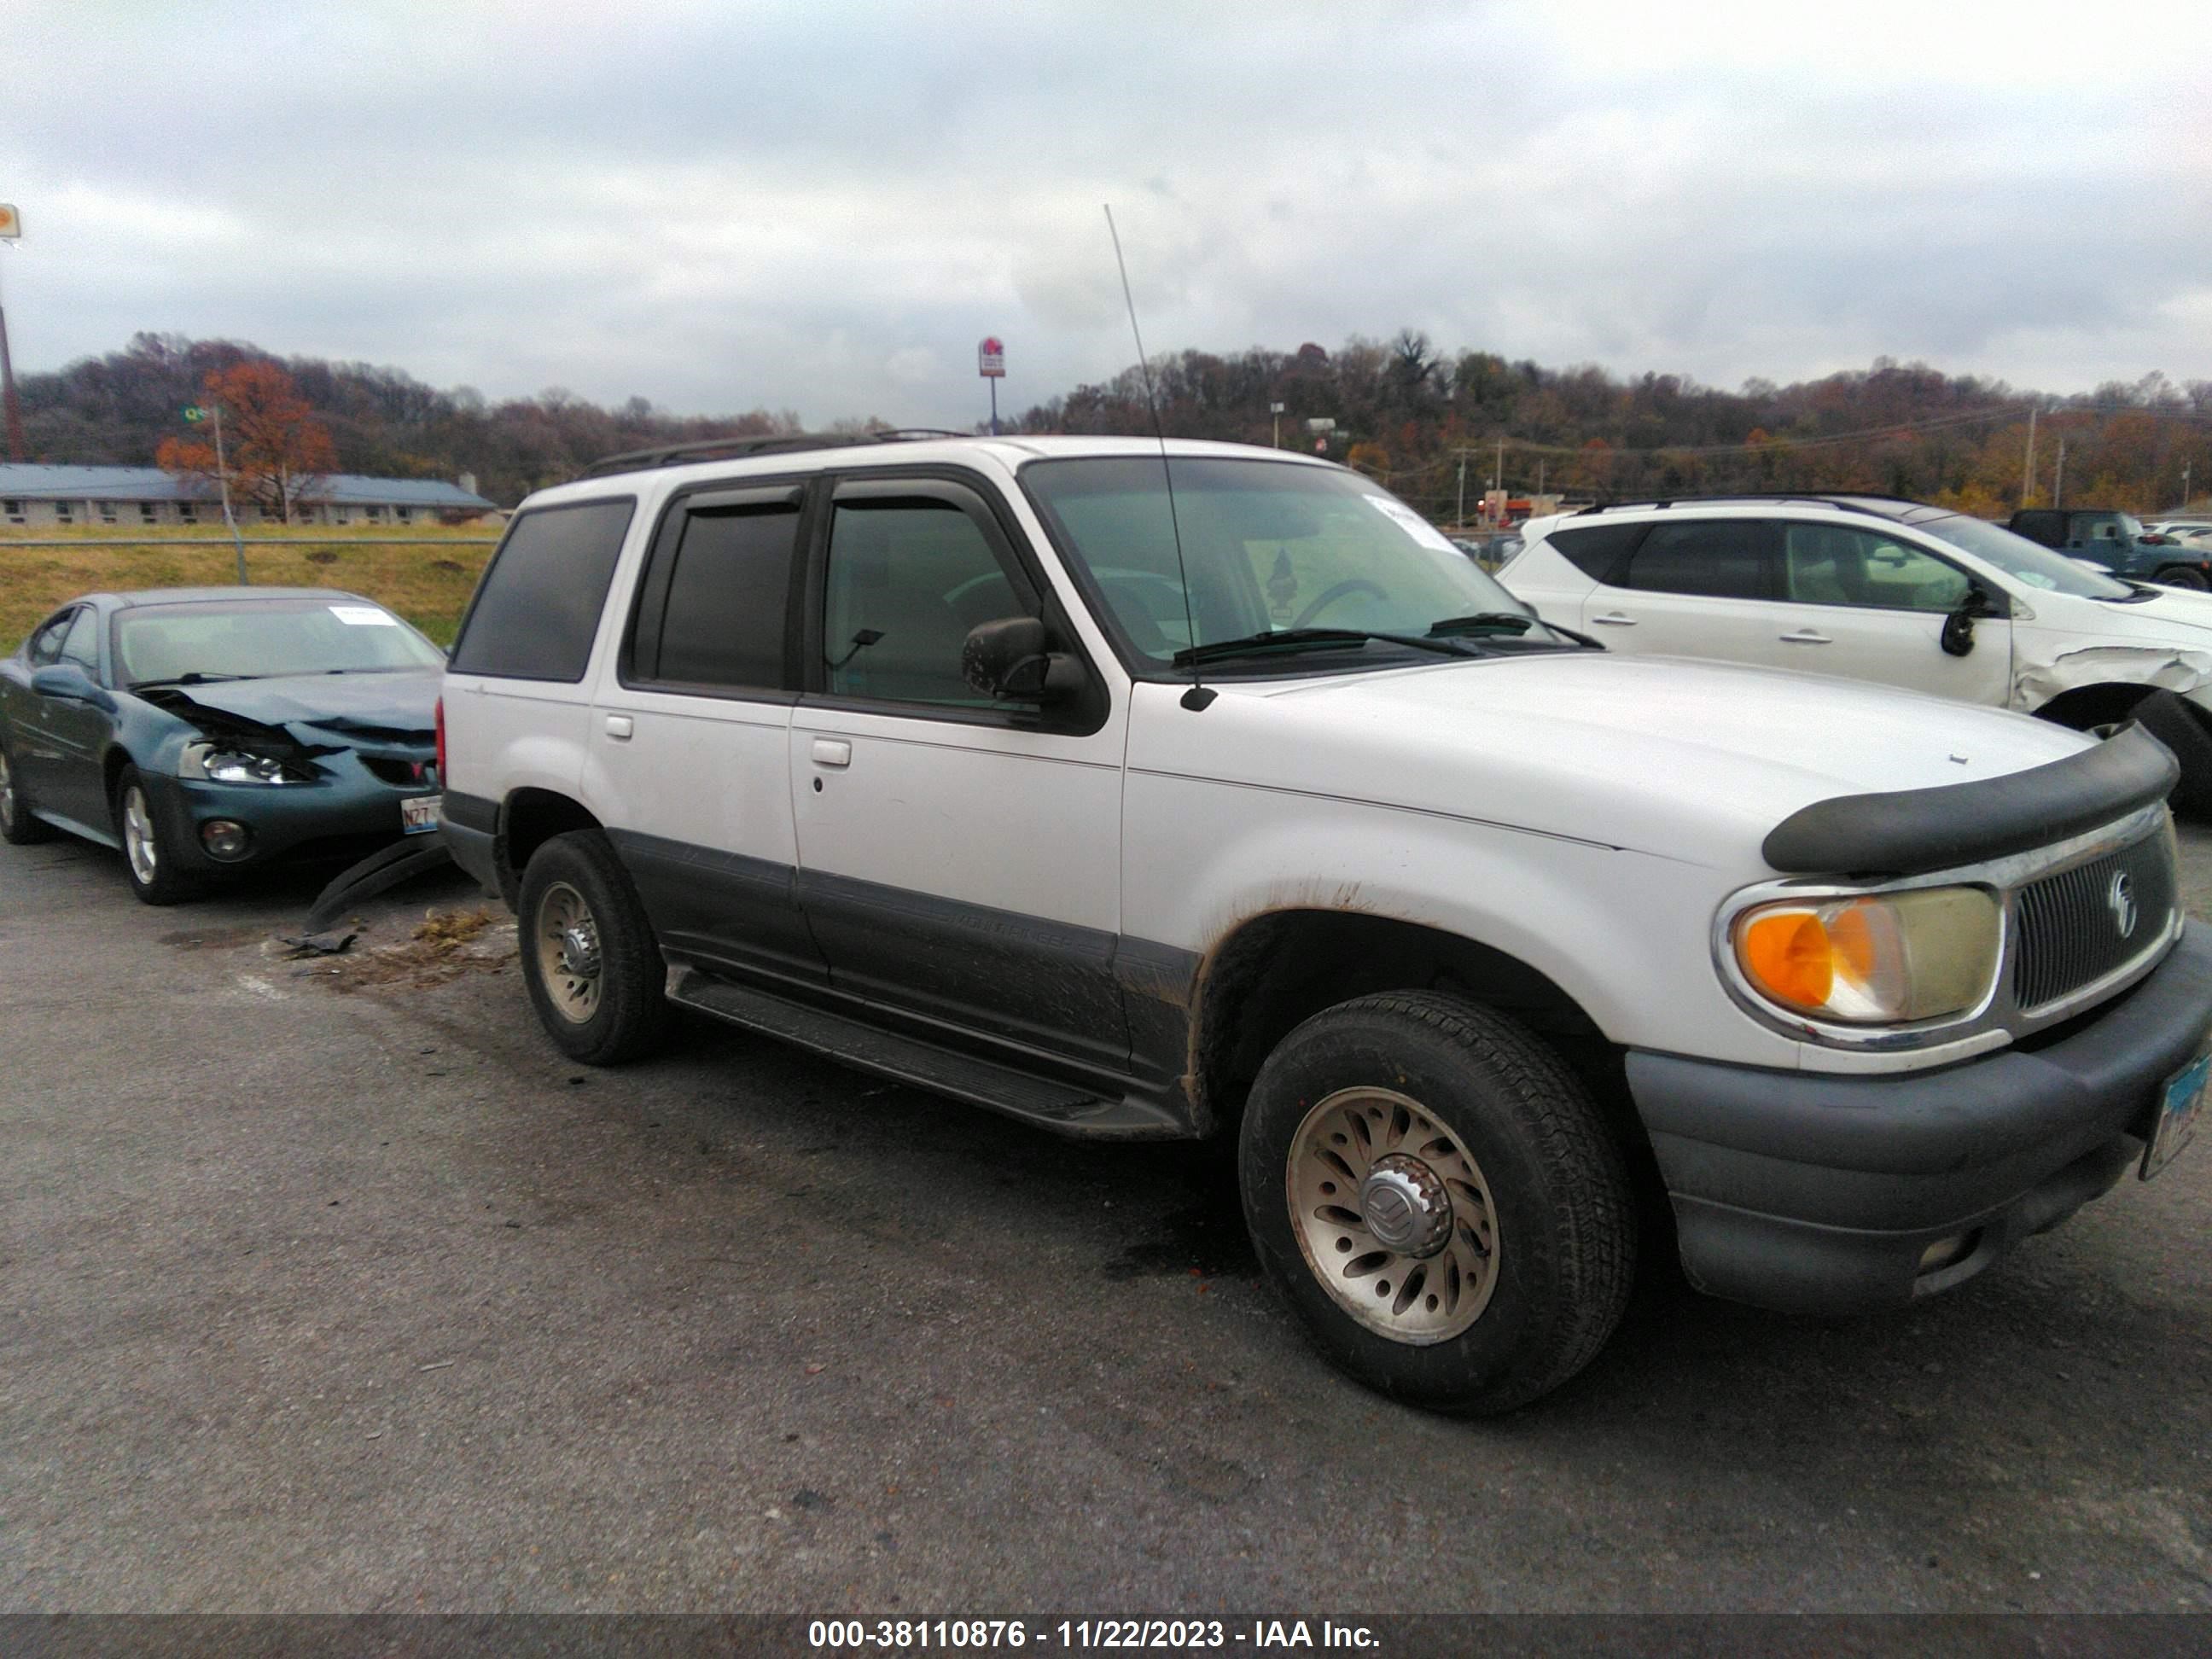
x: 1691, y: 759
x: 319, y: 710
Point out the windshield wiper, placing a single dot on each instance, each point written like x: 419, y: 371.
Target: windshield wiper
x: 1303, y: 639
x: 196, y: 677
x: 1460, y: 627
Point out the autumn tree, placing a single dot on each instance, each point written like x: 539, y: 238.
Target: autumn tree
x: 275, y: 450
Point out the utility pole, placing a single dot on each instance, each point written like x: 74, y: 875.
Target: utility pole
x: 1275, y: 413
x: 2058, y: 479
x: 11, y: 230
x: 1497, y: 478
x: 2185, y: 486
x: 1460, y: 518
x: 2027, y: 473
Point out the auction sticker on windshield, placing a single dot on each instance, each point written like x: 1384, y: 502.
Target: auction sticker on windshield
x: 418, y: 814
x: 2176, y: 1114
x: 363, y: 616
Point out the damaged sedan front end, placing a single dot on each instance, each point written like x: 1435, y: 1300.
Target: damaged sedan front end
x: 204, y: 733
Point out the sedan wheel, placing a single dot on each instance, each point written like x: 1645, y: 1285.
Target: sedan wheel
x: 148, y: 858
x: 17, y: 826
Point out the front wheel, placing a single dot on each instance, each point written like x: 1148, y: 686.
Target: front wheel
x: 594, y: 968
x: 149, y: 855
x: 1437, y: 1197
x: 18, y: 828
x: 2182, y: 575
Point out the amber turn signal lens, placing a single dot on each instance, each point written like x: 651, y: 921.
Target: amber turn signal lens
x: 1788, y: 955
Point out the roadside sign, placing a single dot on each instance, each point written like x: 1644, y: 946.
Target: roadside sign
x: 194, y: 412
x: 991, y: 359
x: 11, y: 222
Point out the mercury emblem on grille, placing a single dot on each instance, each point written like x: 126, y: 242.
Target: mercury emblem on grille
x: 2120, y: 899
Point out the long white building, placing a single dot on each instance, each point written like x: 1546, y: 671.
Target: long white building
x: 139, y: 497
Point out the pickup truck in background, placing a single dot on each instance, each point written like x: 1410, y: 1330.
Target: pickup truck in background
x: 2118, y: 542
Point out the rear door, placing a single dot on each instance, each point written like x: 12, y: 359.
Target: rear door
x: 30, y: 746
x: 77, y: 730
x: 1697, y: 587
x: 960, y: 859
x: 689, y: 751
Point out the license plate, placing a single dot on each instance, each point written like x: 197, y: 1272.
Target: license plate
x: 419, y: 814
x: 2176, y: 1114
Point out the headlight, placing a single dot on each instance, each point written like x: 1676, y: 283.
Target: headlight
x: 1875, y: 959
x: 216, y: 764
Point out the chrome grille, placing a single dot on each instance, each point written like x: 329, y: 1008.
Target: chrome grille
x: 2068, y: 925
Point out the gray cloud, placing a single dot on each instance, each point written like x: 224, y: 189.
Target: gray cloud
x: 823, y: 207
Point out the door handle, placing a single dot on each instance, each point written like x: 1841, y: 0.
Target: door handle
x: 1615, y: 619
x: 1806, y: 636
x: 619, y: 727
x: 832, y: 751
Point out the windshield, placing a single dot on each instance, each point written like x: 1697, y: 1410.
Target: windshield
x: 2024, y: 561
x: 264, y: 638
x: 1269, y: 547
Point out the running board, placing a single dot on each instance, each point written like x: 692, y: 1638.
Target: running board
x: 1064, y: 1109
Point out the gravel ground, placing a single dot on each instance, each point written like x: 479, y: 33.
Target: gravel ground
x: 329, y: 1285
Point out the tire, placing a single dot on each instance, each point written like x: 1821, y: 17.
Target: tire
x: 2181, y: 575
x: 1500, y: 1147
x: 2177, y: 724
x: 594, y: 968
x: 149, y: 855
x: 17, y: 827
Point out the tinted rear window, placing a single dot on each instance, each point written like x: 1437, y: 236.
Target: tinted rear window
x: 1717, y: 558
x: 726, y: 599
x: 1598, y: 550
x: 534, y: 616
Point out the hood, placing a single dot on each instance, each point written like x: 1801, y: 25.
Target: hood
x: 1689, y: 759
x: 396, y: 708
x: 2177, y: 616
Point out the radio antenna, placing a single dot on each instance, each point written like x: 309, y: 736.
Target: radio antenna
x: 1197, y: 696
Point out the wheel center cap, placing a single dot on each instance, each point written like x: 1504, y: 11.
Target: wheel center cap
x: 580, y: 952
x: 1405, y: 1206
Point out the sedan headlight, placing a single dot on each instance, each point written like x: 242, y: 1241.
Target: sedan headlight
x: 213, y: 763
x: 1875, y: 958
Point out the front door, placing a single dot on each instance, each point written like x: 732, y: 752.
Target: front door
x: 960, y: 860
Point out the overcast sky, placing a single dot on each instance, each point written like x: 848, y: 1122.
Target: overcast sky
x: 823, y: 207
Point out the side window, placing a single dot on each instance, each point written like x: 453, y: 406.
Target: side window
x: 1598, y: 550
x: 535, y: 615
x: 907, y: 578
x: 45, y: 648
x: 81, y: 645
x: 716, y: 616
x: 1827, y: 564
x: 1716, y: 558
x: 2048, y: 528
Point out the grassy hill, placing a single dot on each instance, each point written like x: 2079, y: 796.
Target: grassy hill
x: 429, y: 585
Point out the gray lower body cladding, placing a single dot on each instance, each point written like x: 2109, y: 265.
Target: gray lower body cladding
x: 1817, y: 1192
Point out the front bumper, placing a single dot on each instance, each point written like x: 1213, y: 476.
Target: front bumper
x: 1817, y: 1193
x: 349, y: 813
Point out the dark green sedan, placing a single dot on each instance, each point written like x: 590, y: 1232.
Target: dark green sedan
x: 206, y: 732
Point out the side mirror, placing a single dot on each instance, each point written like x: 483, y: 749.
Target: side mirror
x: 69, y: 682
x: 1011, y: 659
x: 1957, y: 638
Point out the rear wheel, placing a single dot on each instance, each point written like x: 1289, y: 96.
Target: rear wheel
x: 17, y: 827
x: 594, y: 968
x: 148, y: 854
x: 2182, y: 575
x: 1436, y: 1195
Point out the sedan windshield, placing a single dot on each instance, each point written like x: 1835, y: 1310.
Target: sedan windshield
x: 178, y: 644
x: 1270, y: 548
x: 2024, y: 561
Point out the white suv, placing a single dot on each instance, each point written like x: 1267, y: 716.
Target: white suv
x: 1871, y: 588
x: 1160, y: 791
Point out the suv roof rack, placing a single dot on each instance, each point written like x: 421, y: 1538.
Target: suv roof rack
x: 735, y: 448
x: 1848, y: 501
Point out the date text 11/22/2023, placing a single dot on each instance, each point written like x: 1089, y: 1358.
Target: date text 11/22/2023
x: 914, y: 1634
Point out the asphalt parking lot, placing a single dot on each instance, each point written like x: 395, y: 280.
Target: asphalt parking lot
x: 330, y: 1285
